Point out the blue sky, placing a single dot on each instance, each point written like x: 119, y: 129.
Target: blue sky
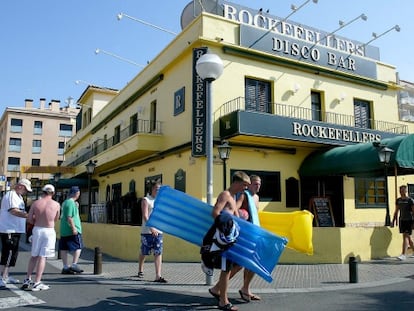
x: 49, y: 44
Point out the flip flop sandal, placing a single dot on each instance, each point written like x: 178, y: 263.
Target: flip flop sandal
x: 244, y: 296
x: 255, y: 297
x: 217, y: 296
x: 228, y: 307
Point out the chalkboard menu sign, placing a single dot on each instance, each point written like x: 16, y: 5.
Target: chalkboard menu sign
x: 322, y: 210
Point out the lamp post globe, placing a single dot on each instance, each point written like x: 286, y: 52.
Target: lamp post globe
x: 209, y: 67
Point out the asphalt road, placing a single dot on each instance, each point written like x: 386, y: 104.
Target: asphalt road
x: 70, y: 292
x: 78, y: 294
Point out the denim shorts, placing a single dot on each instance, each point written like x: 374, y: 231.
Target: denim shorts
x: 152, y: 243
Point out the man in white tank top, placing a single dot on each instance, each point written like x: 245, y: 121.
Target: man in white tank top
x: 151, y: 238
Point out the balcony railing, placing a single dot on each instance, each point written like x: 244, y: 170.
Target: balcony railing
x: 302, y: 113
x: 141, y: 126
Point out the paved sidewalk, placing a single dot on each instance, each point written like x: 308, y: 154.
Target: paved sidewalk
x: 287, y: 278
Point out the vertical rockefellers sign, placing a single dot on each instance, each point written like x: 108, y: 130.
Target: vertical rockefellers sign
x: 198, y: 148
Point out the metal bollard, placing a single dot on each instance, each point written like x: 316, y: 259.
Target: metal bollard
x: 97, y: 263
x: 209, y: 279
x: 353, y: 270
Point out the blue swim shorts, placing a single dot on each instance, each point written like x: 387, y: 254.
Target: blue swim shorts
x: 150, y: 243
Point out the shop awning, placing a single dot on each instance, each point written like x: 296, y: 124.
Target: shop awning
x: 69, y: 182
x: 47, y: 169
x: 361, y: 159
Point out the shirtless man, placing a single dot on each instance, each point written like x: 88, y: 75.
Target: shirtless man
x: 226, y: 202
x: 242, y: 203
x: 42, y: 214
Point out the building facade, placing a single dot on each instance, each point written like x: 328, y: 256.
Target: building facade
x: 288, y: 94
x: 32, y: 142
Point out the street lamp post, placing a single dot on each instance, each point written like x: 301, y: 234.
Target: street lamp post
x: 384, y: 154
x: 90, y: 168
x: 224, y: 152
x: 37, y: 185
x: 56, y: 178
x: 209, y: 67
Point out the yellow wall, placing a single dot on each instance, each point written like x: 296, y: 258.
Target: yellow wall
x: 331, y: 245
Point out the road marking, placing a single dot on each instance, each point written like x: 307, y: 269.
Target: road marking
x: 23, y: 299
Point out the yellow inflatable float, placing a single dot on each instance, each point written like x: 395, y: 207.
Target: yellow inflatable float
x: 295, y: 226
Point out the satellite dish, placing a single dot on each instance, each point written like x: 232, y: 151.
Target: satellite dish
x: 187, y: 15
x: 195, y: 7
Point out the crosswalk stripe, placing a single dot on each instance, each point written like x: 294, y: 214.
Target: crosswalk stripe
x: 23, y: 298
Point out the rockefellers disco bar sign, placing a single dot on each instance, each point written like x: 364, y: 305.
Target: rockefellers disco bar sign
x: 333, y: 133
x: 198, y: 147
x: 261, y: 31
x: 252, y: 123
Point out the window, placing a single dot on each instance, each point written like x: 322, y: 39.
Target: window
x: 132, y: 186
x: 16, y: 125
x: 117, y: 134
x: 153, y: 117
x: 316, y: 106
x: 38, y: 126
x: 370, y: 192
x: 362, y: 114
x: 13, y: 164
x: 257, y: 95
x: 270, y: 191
x: 79, y: 119
x: 292, y: 192
x: 133, y: 124
x: 86, y: 116
x: 105, y: 142
x: 65, y: 130
x: 410, y: 190
x: 36, y: 146
x: 35, y: 162
x: 61, y: 147
x: 15, y: 144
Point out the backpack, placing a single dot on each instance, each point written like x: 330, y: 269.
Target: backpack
x: 220, y: 237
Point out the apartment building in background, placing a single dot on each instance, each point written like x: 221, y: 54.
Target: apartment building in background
x: 32, y: 141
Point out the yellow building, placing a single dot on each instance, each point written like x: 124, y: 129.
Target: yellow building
x: 306, y: 111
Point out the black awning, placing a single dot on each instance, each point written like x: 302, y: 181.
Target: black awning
x: 69, y: 182
x: 360, y: 159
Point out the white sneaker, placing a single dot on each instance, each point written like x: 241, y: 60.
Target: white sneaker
x: 38, y: 287
x: 402, y: 257
x: 11, y: 280
x: 26, y: 284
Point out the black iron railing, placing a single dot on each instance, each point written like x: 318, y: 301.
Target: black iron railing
x: 240, y: 103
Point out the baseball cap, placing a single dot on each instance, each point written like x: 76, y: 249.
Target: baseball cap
x: 48, y: 188
x: 26, y: 183
x: 73, y: 190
